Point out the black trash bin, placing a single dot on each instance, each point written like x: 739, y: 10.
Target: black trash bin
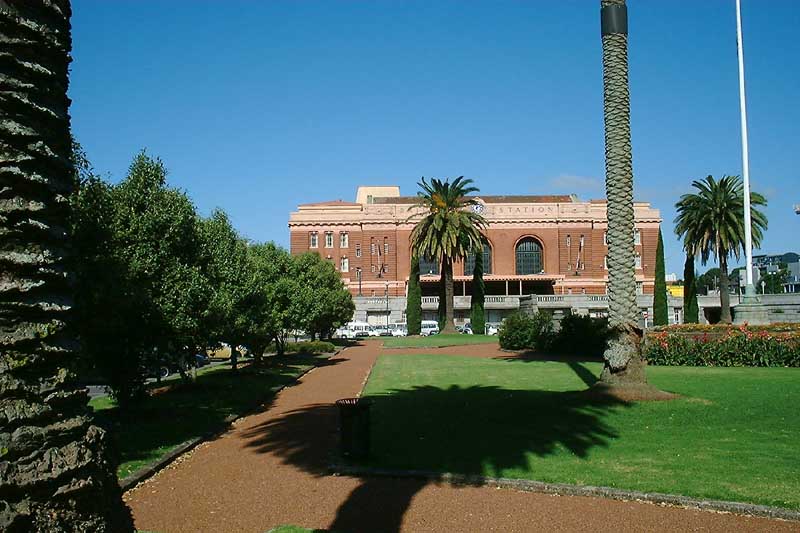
x: 354, y: 427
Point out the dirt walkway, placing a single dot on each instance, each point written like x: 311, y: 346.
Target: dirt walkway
x: 270, y: 470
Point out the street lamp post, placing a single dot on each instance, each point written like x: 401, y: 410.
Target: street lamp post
x: 386, y: 292
x: 748, y: 237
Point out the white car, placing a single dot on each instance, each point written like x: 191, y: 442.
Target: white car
x: 492, y: 329
x: 399, y: 330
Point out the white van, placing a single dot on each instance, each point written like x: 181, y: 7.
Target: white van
x: 429, y: 327
x: 356, y: 329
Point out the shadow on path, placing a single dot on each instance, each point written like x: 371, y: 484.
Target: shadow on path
x: 470, y: 430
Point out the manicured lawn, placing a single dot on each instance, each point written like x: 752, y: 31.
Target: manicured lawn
x: 163, y: 421
x: 734, y: 436
x: 437, y: 341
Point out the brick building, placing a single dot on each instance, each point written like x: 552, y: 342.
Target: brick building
x: 538, y: 245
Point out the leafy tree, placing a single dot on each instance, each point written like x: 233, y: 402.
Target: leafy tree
x: 709, y: 280
x: 268, y: 308
x: 226, y: 267
x: 56, y: 471
x: 773, y: 281
x: 623, y: 362
x: 322, y: 301
x: 711, y: 223
x: 449, y: 229
x: 660, y: 311
x: 477, y: 318
x: 691, y: 310
x: 414, y: 300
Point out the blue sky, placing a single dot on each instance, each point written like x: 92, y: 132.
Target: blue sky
x: 256, y: 106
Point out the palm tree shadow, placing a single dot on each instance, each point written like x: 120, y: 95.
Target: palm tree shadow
x: 470, y: 430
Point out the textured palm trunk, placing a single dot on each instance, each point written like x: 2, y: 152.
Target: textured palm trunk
x: 623, y: 362
x: 449, y: 315
x: 724, y: 291
x: 55, y: 472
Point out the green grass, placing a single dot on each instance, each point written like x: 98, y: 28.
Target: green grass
x: 438, y: 341
x: 734, y: 436
x: 162, y: 422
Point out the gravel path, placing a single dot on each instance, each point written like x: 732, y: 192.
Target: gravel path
x: 270, y: 469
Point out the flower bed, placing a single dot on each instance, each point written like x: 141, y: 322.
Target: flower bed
x: 724, y: 345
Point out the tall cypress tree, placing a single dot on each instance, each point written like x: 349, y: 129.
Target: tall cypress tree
x: 414, y: 301
x: 691, y: 310
x: 660, y: 315
x: 477, y: 319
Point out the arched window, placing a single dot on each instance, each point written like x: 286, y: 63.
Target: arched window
x: 469, y: 262
x: 428, y: 267
x: 529, y: 257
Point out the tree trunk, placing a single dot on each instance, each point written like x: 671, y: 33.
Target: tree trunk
x: 234, y: 357
x: 623, y: 349
x: 449, y: 315
x: 56, y: 473
x: 724, y: 291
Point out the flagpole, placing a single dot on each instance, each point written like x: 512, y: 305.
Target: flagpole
x: 748, y: 233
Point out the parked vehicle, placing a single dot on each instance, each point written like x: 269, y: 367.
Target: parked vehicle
x: 399, y: 330
x: 354, y: 330
x: 466, y: 329
x: 374, y: 331
x: 429, y: 327
x: 381, y: 331
x: 492, y: 328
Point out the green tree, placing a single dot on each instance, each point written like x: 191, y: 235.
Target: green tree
x: 226, y: 268
x: 414, y: 300
x: 660, y: 312
x: 623, y: 362
x: 709, y: 280
x: 268, y: 306
x: 711, y: 224
x: 691, y: 311
x: 448, y: 229
x: 56, y: 472
x: 323, y: 302
x: 773, y: 281
x: 477, y: 318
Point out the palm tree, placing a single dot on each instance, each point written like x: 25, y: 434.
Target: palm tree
x: 449, y: 230
x: 711, y: 222
x: 55, y: 472
x: 623, y: 362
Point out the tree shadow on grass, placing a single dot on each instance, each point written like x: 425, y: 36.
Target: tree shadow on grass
x: 181, y: 412
x: 483, y: 430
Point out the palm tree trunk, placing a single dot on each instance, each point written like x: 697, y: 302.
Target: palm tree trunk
x: 447, y: 275
x: 724, y: 291
x: 623, y: 363
x: 55, y: 469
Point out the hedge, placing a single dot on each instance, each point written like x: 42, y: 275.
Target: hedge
x: 306, y: 347
x: 776, y: 345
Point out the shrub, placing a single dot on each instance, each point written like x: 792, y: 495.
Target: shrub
x: 521, y: 331
x: 724, y: 346
x: 582, y: 335
x: 306, y: 347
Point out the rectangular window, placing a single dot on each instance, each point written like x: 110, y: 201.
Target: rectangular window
x: 582, y: 241
x: 605, y: 238
x: 605, y: 262
x: 372, y: 248
x: 328, y: 239
x: 313, y: 240
x: 358, y: 250
x: 344, y: 240
x: 639, y: 287
x: 372, y: 268
x: 569, y: 240
x: 345, y: 265
x: 385, y: 247
x: 637, y: 237
x: 638, y: 261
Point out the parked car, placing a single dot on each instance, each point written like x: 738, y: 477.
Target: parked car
x: 374, y: 331
x: 429, y: 327
x: 492, y: 328
x: 381, y: 331
x: 466, y: 329
x: 352, y: 330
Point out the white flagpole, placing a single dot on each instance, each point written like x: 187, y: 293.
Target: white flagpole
x: 748, y: 233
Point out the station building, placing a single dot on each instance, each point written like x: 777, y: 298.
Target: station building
x: 551, y: 249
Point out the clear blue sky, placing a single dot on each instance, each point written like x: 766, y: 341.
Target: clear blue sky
x: 258, y: 106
